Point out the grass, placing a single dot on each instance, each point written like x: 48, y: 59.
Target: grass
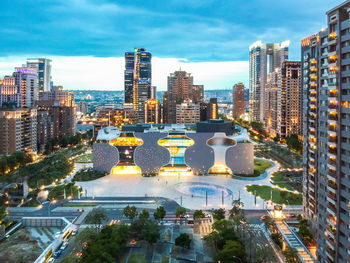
x: 86, y: 158
x: 278, y: 196
x: 165, y: 259
x: 261, y: 165
x: 137, y: 258
x: 58, y: 192
x: 281, y: 181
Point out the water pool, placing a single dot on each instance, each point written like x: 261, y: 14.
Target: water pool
x: 202, y: 189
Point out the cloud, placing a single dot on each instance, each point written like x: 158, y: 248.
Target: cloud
x: 96, y: 73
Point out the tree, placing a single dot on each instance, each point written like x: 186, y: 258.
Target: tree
x: 3, y: 165
x: 144, y: 214
x: 283, y: 194
x: 22, y: 158
x: 294, y: 143
x: 150, y: 232
x: 236, y: 213
x: 11, y: 162
x: 214, y: 240
x: 276, y: 139
x: 291, y: 255
x: 183, y: 240
x: 231, y: 250
x: 86, y: 235
x: 3, y: 212
x: 130, y: 212
x: 180, y: 212
x: 198, y: 214
x: 265, y: 254
x: 160, y: 213
x: 96, y: 216
x: 219, y: 214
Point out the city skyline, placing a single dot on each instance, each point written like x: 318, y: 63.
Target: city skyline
x: 212, y: 41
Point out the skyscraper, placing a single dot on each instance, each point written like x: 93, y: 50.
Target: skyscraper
x: 238, y: 100
x: 138, y: 79
x: 271, y: 100
x: 196, y: 93
x: 43, y: 68
x: 179, y: 85
x: 153, y: 111
x: 187, y: 112
x: 326, y: 129
x: 263, y: 59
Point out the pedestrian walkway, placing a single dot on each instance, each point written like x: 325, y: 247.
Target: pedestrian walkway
x: 294, y: 242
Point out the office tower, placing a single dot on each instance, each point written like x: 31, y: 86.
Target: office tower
x: 82, y: 108
x: 18, y: 130
x: 115, y: 117
x: 326, y: 126
x: 61, y: 108
x: 187, y: 112
x: 153, y: 111
x: 238, y: 100
x: 209, y: 110
x: 137, y: 79
x: 289, y: 100
x: 26, y: 82
x: 179, y: 85
x: 43, y: 68
x: 263, y: 59
x: 196, y: 93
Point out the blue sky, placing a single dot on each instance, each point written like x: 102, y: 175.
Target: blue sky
x: 199, y: 34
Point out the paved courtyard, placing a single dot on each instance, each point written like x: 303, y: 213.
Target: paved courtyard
x: 138, y: 186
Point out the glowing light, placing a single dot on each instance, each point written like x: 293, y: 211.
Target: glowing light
x: 126, y: 170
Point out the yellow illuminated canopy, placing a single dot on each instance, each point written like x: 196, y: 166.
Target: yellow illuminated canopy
x: 126, y: 141
x: 126, y: 170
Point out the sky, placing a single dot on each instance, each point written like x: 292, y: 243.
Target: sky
x: 86, y: 39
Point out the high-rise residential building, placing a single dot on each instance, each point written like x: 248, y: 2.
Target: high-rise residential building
x: 138, y: 79
x: 179, y: 85
x: 165, y: 107
x: 238, y: 100
x: 154, y: 92
x: 196, y: 93
x: 326, y: 133
x: 44, y: 129
x: 61, y: 108
x: 187, y: 112
x: 116, y: 117
x: 18, y: 130
x: 21, y: 89
x: 263, y: 59
x: 289, y: 100
x: 271, y: 100
x: 153, y: 111
x: 82, y: 108
x: 43, y: 68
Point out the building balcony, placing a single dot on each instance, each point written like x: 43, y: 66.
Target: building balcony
x: 332, y: 150
x: 330, y: 242
x: 333, y: 116
x: 330, y: 253
x: 331, y: 209
x: 332, y: 186
x: 332, y: 36
x: 333, y: 104
x: 329, y: 260
x: 332, y: 58
x: 332, y: 220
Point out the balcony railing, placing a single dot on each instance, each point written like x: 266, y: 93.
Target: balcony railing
x: 333, y: 106
x: 332, y: 184
x: 332, y: 162
x: 332, y: 207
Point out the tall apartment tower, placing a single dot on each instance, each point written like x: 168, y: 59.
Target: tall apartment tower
x: 18, y: 130
x: 138, y: 79
x: 196, y: 94
x: 179, y: 87
x: 289, y: 100
x: 238, y: 100
x: 26, y: 81
x: 272, y: 94
x: 326, y: 130
x: 263, y: 59
x: 43, y: 68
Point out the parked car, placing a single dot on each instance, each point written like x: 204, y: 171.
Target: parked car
x: 57, y: 253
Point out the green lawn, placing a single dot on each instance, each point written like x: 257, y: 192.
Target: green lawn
x: 58, y: 192
x: 137, y: 258
x: 86, y: 158
x: 165, y: 259
x: 281, y: 181
x: 264, y: 192
x: 261, y: 165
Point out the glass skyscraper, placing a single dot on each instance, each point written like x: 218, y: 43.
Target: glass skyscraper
x: 138, y: 79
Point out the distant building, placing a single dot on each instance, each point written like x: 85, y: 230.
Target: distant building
x: 272, y: 96
x: 263, y: 59
x: 82, y: 107
x: 43, y: 68
x: 153, y: 111
x: 18, y: 130
x: 44, y: 128
x: 137, y: 79
x: 61, y: 108
x: 179, y: 85
x: 209, y: 110
x: 238, y: 100
x: 187, y: 112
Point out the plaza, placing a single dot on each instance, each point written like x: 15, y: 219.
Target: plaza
x: 166, y: 186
